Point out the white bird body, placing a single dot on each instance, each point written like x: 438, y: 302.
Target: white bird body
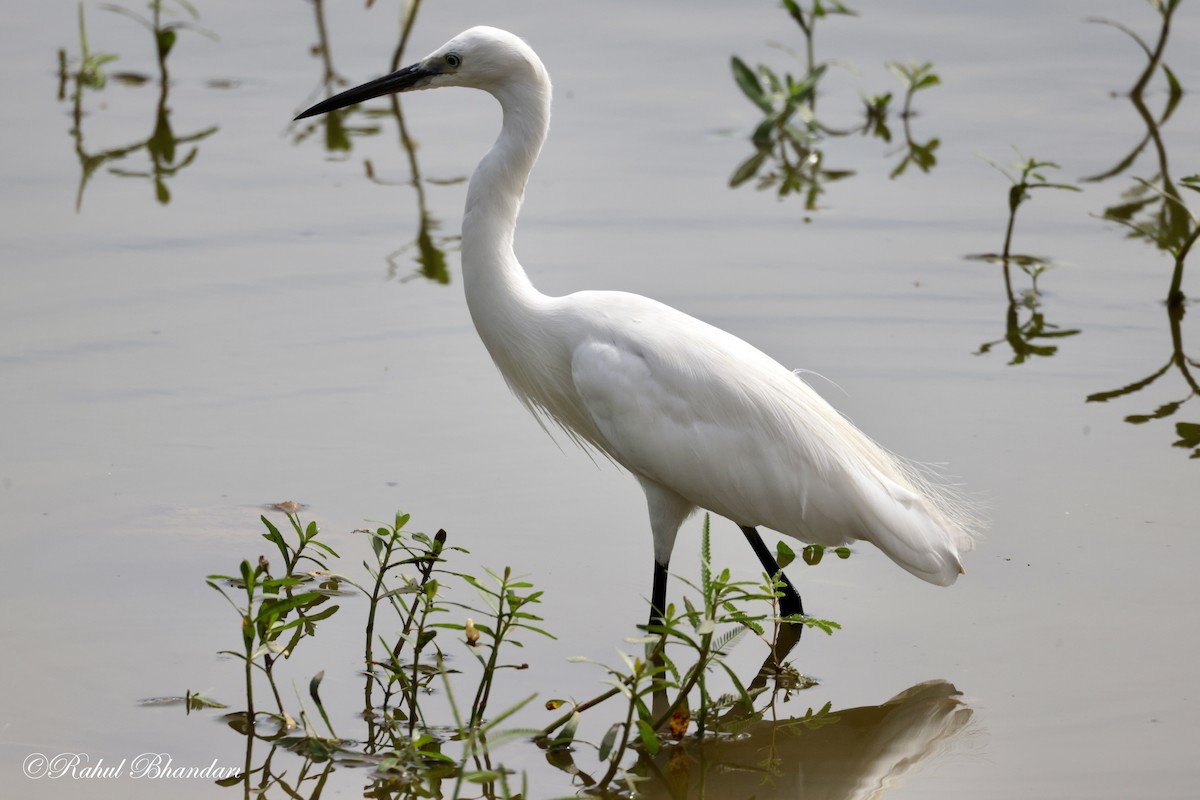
x: 699, y: 416
x: 649, y: 386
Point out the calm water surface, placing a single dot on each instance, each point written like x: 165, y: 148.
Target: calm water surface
x: 254, y: 326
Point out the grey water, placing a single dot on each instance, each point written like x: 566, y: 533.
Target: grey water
x: 207, y: 308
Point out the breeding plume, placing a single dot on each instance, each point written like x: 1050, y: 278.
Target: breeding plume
x: 701, y: 418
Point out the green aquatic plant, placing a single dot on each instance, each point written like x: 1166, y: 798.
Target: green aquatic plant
x: 806, y: 19
x: 1154, y: 53
x: 336, y: 132
x: 1026, y: 338
x: 89, y: 71
x: 507, y: 603
x: 1175, y: 230
x: 680, y: 686
x: 415, y: 602
x: 669, y: 690
x: 1188, y: 433
x: 788, y: 157
x: 277, y: 614
x: 915, y: 77
x: 1153, y: 209
x: 165, y: 33
x: 162, y: 146
x: 1026, y: 174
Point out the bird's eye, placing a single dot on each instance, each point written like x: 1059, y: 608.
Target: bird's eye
x: 453, y: 59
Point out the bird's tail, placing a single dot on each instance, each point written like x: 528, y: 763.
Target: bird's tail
x: 921, y: 525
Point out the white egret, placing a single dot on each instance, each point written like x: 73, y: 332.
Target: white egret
x: 701, y: 418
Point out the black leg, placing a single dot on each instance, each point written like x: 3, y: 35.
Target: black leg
x: 789, y: 604
x: 658, y: 598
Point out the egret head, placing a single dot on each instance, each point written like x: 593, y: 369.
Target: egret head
x: 480, y: 58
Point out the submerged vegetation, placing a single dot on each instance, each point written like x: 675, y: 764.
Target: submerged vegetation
x: 428, y: 729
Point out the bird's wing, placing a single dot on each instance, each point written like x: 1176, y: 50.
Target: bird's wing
x: 687, y: 406
x: 700, y: 412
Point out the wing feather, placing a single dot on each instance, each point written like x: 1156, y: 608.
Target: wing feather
x: 715, y: 420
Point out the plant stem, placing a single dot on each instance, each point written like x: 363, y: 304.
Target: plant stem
x: 373, y: 606
x: 489, y: 671
x: 156, y: 7
x: 615, y: 758
x: 249, y: 686
x: 584, y: 706
x: 1167, y: 10
x: 693, y: 677
x: 1175, y: 293
x: 406, y: 27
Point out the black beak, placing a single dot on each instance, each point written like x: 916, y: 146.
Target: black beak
x: 412, y: 77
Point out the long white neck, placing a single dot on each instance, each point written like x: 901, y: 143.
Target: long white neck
x: 515, y: 320
x: 494, y: 281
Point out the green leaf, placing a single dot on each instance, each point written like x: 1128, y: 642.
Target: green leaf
x: 748, y: 82
x: 274, y: 536
x: 610, y: 738
x: 762, y: 134
x: 277, y: 608
x: 271, y: 647
x: 1174, y: 94
x: 566, y: 734
x: 195, y: 701
x: 771, y: 79
x: 794, y: 11
x: 784, y: 554
x: 483, y: 776
x: 320, y: 615
x: 166, y: 40
x: 1189, y: 434
x: 648, y: 737
x: 827, y: 625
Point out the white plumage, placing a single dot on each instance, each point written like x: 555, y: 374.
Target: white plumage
x: 699, y: 416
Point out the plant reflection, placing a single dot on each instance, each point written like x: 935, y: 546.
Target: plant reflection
x: 330, y: 77
x: 1026, y: 338
x: 1188, y: 432
x: 165, y: 34
x: 162, y: 146
x: 1153, y: 210
x: 429, y: 249
x: 787, y: 154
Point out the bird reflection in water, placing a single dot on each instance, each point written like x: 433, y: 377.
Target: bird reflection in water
x: 852, y: 753
x: 845, y: 754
